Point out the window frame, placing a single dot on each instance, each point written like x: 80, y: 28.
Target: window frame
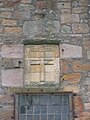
x: 71, y: 95
x: 42, y: 42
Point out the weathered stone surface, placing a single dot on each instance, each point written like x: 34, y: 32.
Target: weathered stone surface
x: 26, y: 1
x: 8, y: 63
x: 77, y: 66
x: 66, y: 29
x: 84, y: 116
x: 12, y: 51
x: 72, y: 88
x: 78, y: 105
x: 8, y: 22
x: 1, y: 29
x: 75, y: 3
x: 86, y: 44
x: 25, y: 7
x: 80, y: 28
x: 5, y: 15
x: 65, y: 66
x: 70, y: 51
x: 79, y: 10
x: 83, y: 2
x: 87, y: 106
x: 10, y: 3
x: 65, y: 11
x: 6, y: 99
x: 69, y: 18
x: 21, y: 15
x: 12, y: 63
x: 63, y: 5
x: 6, y: 114
x: 12, y: 77
x: 88, y: 54
x: 87, y: 80
x: 32, y: 27
x: 13, y: 30
x: 84, y: 16
x: 73, y: 78
x: 70, y: 21
x: 76, y: 119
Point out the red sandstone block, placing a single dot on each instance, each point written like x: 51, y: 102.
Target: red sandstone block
x: 78, y: 105
x: 8, y: 22
x: 13, y: 30
x: 78, y: 66
x: 85, y: 116
x: 6, y: 114
x: 73, y: 78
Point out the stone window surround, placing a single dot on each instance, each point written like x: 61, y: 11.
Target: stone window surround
x: 43, y: 42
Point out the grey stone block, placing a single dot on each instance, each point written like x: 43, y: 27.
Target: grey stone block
x: 32, y: 28
x: 12, y: 77
x: 70, y: 51
x: 12, y: 51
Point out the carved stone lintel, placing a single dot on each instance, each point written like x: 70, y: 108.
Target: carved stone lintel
x: 9, y: 3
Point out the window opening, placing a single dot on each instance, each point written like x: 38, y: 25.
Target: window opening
x: 44, y: 106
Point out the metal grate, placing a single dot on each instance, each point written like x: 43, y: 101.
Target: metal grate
x: 44, y: 107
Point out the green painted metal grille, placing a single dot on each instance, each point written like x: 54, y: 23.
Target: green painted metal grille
x: 44, y: 107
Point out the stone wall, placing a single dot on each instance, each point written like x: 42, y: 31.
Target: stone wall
x: 67, y: 21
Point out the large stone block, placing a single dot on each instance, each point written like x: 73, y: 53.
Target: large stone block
x: 32, y: 27
x: 70, y: 51
x: 12, y: 77
x: 6, y: 114
x: 12, y: 63
x: 21, y: 15
x: 80, y: 28
x: 79, y: 9
x: 87, y: 106
x: 88, y: 54
x: 69, y: 18
x: 72, y: 78
x: 66, y: 66
x: 13, y: 30
x: 78, y: 66
x: 78, y: 105
x: 66, y: 29
x: 25, y: 7
x: 83, y: 2
x: 85, y: 116
x: 8, y: 22
x: 26, y: 1
x: 1, y: 29
x: 5, y: 15
x: 12, y: 51
x: 6, y: 99
x: 71, y: 88
x: 63, y: 5
x: 86, y: 43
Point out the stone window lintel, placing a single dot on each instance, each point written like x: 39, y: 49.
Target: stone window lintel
x: 41, y: 42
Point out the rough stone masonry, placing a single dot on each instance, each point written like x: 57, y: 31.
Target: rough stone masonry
x: 68, y: 21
